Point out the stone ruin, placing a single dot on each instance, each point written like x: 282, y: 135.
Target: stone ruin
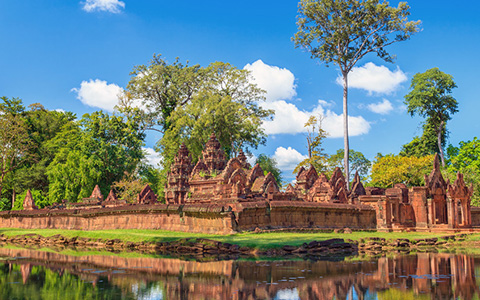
x: 28, y: 202
x: 147, y: 196
x: 437, y: 205
x: 214, y: 180
x: 215, y: 184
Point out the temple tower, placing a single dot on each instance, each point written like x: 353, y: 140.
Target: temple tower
x: 213, y: 155
x: 177, y: 178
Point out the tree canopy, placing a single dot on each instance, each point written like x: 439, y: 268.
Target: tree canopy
x: 344, y: 31
x: 391, y: 169
x: 227, y: 105
x: 98, y: 149
x: 15, y: 143
x: 430, y: 97
x: 162, y: 87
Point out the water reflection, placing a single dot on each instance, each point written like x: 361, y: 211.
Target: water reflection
x: 32, y: 274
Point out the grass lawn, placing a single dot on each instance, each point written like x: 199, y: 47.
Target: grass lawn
x: 257, y: 240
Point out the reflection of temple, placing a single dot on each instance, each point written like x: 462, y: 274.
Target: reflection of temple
x: 438, y: 276
x: 444, y: 276
x: 438, y: 205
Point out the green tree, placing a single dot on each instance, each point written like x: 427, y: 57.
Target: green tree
x: 316, y: 153
x: 98, y: 149
x: 162, y: 87
x: 466, y: 159
x: 344, y: 31
x: 359, y: 163
x: 426, y: 144
x: 391, y: 169
x: 269, y: 164
x: 430, y: 97
x: 15, y: 144
x: 42, y: 126
x: 227, y: 105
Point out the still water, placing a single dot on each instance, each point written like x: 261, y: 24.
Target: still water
x: 69, y: 274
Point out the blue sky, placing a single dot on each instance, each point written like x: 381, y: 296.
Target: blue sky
x: 76, y: 55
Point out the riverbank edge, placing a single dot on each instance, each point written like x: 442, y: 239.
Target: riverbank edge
x: 370, y: 246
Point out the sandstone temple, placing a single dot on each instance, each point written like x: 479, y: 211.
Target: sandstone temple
x: 216, y: 195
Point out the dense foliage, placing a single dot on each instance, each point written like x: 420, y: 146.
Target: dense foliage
x: 98, y: 149
x: 58, y: 157
x: 390, y: 169
x: 427, y: 143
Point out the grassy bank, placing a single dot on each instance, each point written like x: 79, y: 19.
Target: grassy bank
x: 255, y: 240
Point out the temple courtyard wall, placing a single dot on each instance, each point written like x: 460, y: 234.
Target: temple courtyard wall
x: 475, y: 211
x: 213, y: 219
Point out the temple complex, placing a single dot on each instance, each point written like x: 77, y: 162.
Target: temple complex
x: 217, y: 195
x: 435, y: 206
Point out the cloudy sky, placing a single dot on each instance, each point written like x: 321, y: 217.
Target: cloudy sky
x: 77, y: 56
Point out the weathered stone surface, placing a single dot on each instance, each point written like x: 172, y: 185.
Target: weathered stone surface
x: 97, y: 193
x: 111, y: 197
x: 147, y: 196
x: 28, y: 202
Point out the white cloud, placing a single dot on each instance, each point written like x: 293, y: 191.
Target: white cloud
x: 290, y: 120
x: 251, y: 159
x: 288, y: 158
x: 373, y: 78
x: 152, y: 157
x: 97, y: 93
x: 383, y: 108
x: 279, y: 83
x: 280, y: 86
x: 113, y: 6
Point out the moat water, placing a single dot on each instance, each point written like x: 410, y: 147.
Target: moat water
x: 71, y: 274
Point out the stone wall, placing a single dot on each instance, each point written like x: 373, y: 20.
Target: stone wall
x: 289, y: 214
x: 214, y: 219
x: 475, y: 216
x: 166, y: 217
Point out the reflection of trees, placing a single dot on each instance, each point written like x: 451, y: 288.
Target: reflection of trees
x: 44, y: 283
x: 421, y: 276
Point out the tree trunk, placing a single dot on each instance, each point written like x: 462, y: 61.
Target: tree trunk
x: 14, y: 196
x: 345, y: 128
x: 439, y: 140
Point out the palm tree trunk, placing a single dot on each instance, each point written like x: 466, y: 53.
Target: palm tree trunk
x: 345, y: 128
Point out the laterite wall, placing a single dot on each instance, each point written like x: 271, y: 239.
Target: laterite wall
x: 214, y: 219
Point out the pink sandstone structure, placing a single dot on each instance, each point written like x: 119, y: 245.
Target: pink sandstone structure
x: 219, y: 196
x: 436, y: 206
x: 28, y: 202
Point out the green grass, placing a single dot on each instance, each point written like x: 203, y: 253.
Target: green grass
x: 256, y: 240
